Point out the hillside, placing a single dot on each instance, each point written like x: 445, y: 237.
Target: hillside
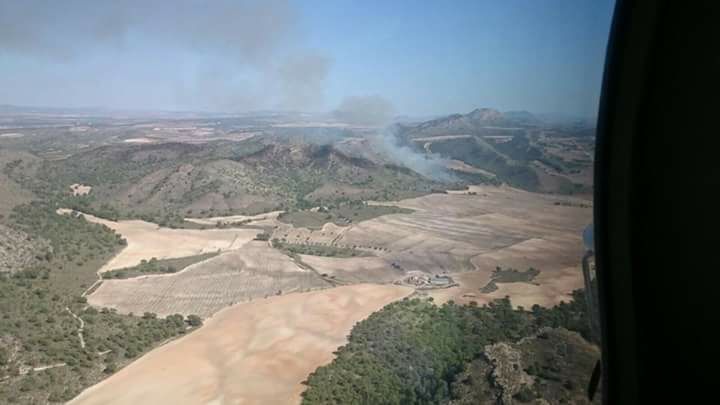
x: 413, y: 351
x: 168, y: 180
x: 472, y: 123
x: 516, y: 147
x: 19, y: 251
x: 554, y: 365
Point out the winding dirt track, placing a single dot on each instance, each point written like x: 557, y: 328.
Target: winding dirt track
x: 251, y: 353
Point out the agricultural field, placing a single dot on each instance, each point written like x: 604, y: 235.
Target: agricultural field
x: 467, y: 234
x: 52, y: 344
x: 257, y: 352
x: 154, y: 266
x: 254, y: 272
x: 146, y: 240
x: 341, y: 214
x: 120, y: 236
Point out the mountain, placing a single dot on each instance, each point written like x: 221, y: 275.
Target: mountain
x: 516, y: 146
x: 522, y: 118
x: 477, y: 122
x: 169, y: 179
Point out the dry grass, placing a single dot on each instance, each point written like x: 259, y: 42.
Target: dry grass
x: 253, y: 272
x: 232, y: 219
x: 80, y: 189
x: 146, y: 240
x: 469, y: 232
x: 455, y: 233
x: 253, y: 353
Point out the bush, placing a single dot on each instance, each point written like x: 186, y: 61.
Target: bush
x: 194, y: 320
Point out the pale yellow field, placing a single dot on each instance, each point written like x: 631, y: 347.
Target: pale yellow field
x: 146, y: 240
x: 355, y: 269
x: 463, y: 234
x: 235, y: 218
x: 254, y: 272
x: 253, y: 353
x: 469, y: 235
x: 80, y: 189
x: 258, y: 352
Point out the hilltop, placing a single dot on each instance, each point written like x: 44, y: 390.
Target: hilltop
x: 517, y: 147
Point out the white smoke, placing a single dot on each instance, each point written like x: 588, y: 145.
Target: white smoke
x: 376, y: 111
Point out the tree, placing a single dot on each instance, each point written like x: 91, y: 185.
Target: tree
x: 194, y: 320
x: 110, y: 368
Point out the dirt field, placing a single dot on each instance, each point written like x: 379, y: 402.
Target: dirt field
x: 465, y: 233
x: 468, y: 232
x: 355, y: 269
x: 236, y: 218
x: 80, y: 189
x: 253, y: 272
x: 139, y: 140
x: 252, y: 353
x: 146, y: 240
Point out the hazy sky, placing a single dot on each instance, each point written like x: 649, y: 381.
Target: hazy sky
x: 424, y: 57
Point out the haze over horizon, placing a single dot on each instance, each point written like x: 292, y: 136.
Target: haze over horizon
x: 304, y: 56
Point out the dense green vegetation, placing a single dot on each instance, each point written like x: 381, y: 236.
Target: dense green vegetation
x: 318, y: 250
x: 73, y: 240
x: 509, y: 275
x: 557, y: 361
x: 155, y: 266
x: 412, y: 351
x: 476, y: 152
x: 37, y: 328
x: 162, y: 183
x: 341, y: 213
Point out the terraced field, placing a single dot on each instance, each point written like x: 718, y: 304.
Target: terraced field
x: 469, y: 232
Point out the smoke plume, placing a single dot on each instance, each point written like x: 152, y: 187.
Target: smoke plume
x: 378, y: 112
x: 255, y: 46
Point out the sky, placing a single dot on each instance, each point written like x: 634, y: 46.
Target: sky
x: 421, y: 57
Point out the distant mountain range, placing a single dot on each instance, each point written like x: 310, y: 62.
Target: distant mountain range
x: 464, y: 124
x: 489, y: 121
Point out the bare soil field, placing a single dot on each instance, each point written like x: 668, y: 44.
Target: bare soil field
x: 146, y: 240
x: 441, y: 138
x: 139, y: 140
x: 355, y: 270
x: 232, y: 219
x: 252, y: 353
x: 80, y: 189
x: 468, y: 232
x: 253, y: 272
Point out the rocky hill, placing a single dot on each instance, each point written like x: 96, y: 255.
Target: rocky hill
x: 516, y: 147
x: 477, y: 122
